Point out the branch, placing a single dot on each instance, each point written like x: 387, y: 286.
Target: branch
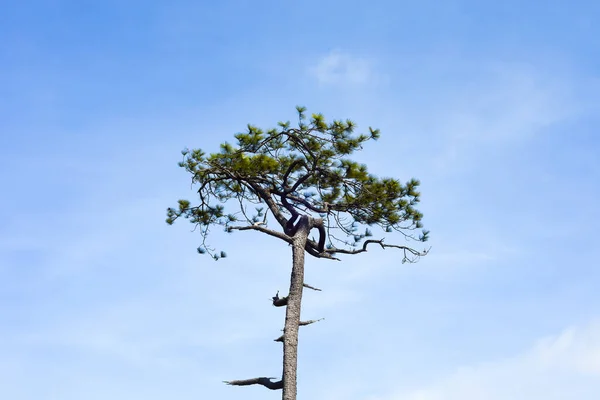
x: 300, y: 323
x: 311, y: 321
x: 407, y: 250
x: 289, y: 228
x: 279, y: 301
x: 309, y: 205
x: 288, y: 206
x: 289, y: 171
x: 320, y: 225
x: 282, y: 301
x: 311, y: 248
x: 301, y: 180
x: 261, y: 192
x: 257, y: 227
x: 266, y: 196
x: 311, y: 287
x: 293, y: 133
x: 302, y: 201
x: 266, y: 382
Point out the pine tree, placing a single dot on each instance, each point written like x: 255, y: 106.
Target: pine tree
x: 296, y: 180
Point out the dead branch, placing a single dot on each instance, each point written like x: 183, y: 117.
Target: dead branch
x: 301, y: 323
x: 266, y: 382
x: 311, y: 287
x: 279, y: 301
x: 282, y: 301
x: 312, y: 321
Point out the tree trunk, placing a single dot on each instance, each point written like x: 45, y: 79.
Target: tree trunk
x: 292, y: 314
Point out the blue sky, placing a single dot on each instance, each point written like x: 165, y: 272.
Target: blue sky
x: 493, y: 105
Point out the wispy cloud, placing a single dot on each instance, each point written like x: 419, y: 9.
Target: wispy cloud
x: 505, y: 104
x: 339, y: 68
x: 559, y: 367
x: 512, y: 101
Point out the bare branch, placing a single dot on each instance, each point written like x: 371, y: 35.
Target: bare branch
x: 311, y: 246
x: 410, y: 254
x: 311, y: 321
x: 266, y: 382
x: 311, y: 287
x: 279, y: 301
x: 300, y: 323
x: 282, y: 301
x: 258, y: 227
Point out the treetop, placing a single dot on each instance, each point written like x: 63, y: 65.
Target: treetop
x: 286, y: 172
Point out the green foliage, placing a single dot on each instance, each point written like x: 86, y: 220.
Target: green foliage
x: 304, y: 169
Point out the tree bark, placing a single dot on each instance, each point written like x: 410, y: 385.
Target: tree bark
x: 292, y: 314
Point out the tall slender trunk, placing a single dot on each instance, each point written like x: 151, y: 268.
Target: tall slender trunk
x: 292, y: 314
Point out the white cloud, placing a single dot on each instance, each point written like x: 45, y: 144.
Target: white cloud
x: 510, y: 102
x: 338, y: 68
x: 559, y: 367
x: 500, y: 106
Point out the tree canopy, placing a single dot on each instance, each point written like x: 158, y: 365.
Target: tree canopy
x: 278, y: 175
